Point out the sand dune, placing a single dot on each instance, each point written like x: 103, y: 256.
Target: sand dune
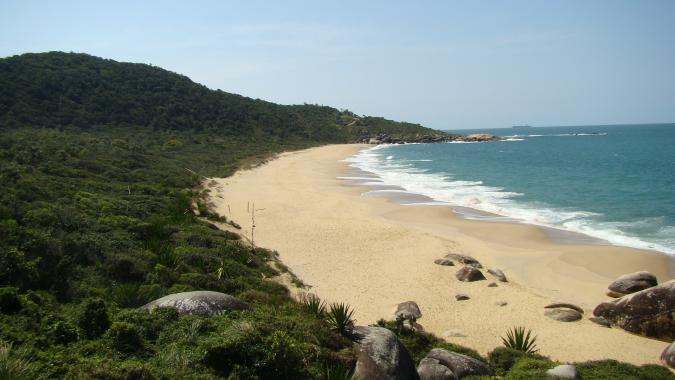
x: 374, y: 253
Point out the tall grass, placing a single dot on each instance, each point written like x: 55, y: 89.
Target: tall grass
x: 12, y: 366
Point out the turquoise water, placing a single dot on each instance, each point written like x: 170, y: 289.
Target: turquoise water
x: 616, y: 183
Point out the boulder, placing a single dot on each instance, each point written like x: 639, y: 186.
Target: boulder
x: 648, y: 312
x: 563, y: 315
x: 600, y: 321
x: 498, y: 273
x: 432, y: 369
x: 631, y: 283
x: 462, y: 297
x: 202, y: 302
x: 408, y: 311
x: 381, y: 356
x: 446, y: 262
x: 564, y: 305
x: 460, y: 365
x: 668, y: 356
x: 564, y: 371
x: 412, y: 326
x: 492, y: 285
x: 469, y: 274
x: 464, y: 259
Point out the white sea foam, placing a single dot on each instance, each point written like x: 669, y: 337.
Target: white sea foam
x: 444, y: 189
x: 512, y: 139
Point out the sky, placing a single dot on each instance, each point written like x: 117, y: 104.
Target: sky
x: 444, y: 64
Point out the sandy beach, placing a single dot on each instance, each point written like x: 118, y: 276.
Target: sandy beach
x: 374, y: 253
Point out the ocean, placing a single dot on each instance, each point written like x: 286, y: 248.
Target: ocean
x: 615, y: 184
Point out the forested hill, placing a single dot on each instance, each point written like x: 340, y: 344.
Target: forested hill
x: 77, y: 90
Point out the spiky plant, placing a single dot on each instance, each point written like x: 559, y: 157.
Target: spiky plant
x: 339, y: 317
x: 315, y: 305
x: 519, y: 339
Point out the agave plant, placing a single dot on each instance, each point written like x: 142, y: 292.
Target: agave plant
x: 314, y: 304
x: 339, y: 317
x: 519, y: 339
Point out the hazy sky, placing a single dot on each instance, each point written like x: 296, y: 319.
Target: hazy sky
x: 445, y: 64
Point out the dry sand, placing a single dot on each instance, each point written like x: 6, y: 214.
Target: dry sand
x: 374, y: 253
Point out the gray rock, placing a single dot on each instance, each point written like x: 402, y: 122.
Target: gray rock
x: 492, y: 285
x: 446, y: 262
x: 202, y: 302
x: 412, y: 326
x: 460, y: 365
x: 464, y: 259
x: 498, y: 273
x: 648, y: 312
x: 668, y: 356
x: 469, y: 274
x: 564, y: 371
x: 565, y: 306
x: 600, y: 321
x: 631, y: 283
x: 408, y: 310
x: 381, y: 356
x: 563, y: 315
x: 462, y: 297
x: 432, y: 369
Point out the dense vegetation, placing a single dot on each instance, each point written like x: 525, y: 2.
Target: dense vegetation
x: 102, y: 210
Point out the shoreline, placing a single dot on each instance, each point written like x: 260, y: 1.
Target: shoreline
x: 373, y: 253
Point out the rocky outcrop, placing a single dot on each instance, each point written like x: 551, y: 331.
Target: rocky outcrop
x: 204, y: 303
x: 464, y: 259
x: 381, y: 356
x: 469, y: 274
x: 648, y: 312
x: 564, y: 371
x: 564, y: 312
x: 408, y: 311
x: 498, y: 274
x: 459, y: 365
x: 384, y: 138
x: 631, y: 283
x: 668, y: 356
x: 446, y: 262
x: 432, y: 369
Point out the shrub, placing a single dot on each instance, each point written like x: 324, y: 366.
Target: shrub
x: 93, y: 319
x: 339, y: 317
x: 12, y: 366
x: 338, y: 373
x: 530, y: 369
x: 519, y: 339
x: 9, y: 300
x: 612, y: 369
x: 125, y: 338
x: 62, y: 332
x: 502, y: 359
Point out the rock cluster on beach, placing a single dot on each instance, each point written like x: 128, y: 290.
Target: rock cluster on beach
x: 648, y: 312
x: 384, y: 138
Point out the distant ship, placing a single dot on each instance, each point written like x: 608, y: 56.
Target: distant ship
x: 522, y: 126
